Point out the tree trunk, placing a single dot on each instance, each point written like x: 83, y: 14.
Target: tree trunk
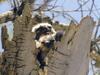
x: 72, y: 55
x: 18, y: 54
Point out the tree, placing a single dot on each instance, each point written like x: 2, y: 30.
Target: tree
x: 71, y: 57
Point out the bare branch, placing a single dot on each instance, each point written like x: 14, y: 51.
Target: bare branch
x: 91, y: 7
x: 83, y: 4
x: 81, y: 7
x: 12, y: 14
x: 7, y: 16
x: 97, y: 28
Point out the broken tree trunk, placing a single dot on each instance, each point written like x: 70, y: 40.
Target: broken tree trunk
x: 18, y: 56
x: 72, y: 55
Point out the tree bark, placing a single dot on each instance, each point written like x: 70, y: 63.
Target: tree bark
x: 72, y: 55
x: 18, y: 54
x: 7, y: 16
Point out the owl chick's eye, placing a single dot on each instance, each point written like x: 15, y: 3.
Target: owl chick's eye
x: 49, y: 27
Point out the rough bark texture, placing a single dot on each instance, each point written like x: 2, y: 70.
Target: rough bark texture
x: 19, y: 56
x: 72, y: 55
x: 25, y: 44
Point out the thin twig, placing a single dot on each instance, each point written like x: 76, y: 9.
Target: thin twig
x: 97, y: 29
x: 91, y: 7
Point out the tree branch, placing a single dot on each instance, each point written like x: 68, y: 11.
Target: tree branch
x: 7, y: 16
x: 11, y: 15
